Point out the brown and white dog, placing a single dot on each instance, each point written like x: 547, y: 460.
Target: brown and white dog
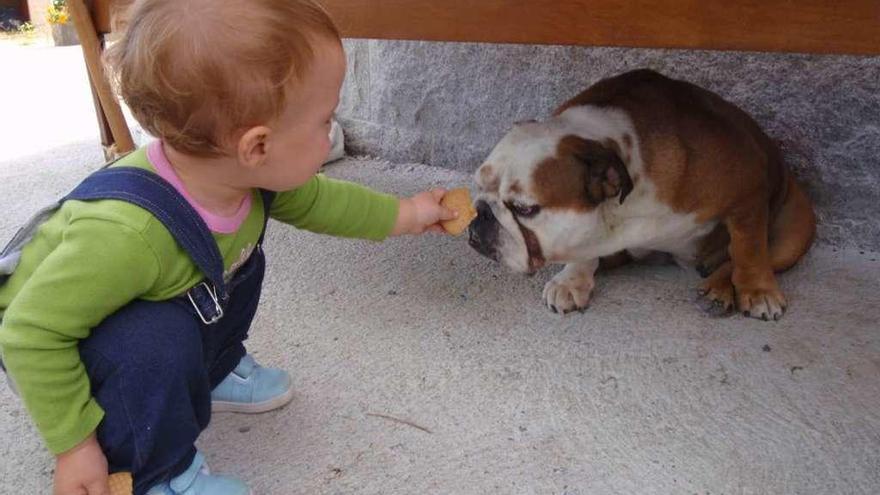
x: 640, y: 164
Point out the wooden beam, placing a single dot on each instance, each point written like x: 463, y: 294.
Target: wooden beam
x: 810, y: 26
x: 24, y: 10
x: 101, y: 14
x: 807, y: 26
x: 91, y: 47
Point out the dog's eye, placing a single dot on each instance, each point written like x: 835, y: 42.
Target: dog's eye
x: 524, y: 211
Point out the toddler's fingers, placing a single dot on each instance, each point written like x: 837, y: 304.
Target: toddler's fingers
x: 99, y: 488
x: 447, y: 214
x: 438, y: 194
x: 436, y: 228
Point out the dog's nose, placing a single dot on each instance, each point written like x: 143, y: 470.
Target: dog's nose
x: 483, y: 231
x: 473, y: 238
x: 484, y: 211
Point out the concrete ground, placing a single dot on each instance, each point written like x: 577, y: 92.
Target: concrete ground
x: 422, y: 368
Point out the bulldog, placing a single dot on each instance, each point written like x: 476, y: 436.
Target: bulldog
x: 639, y: 165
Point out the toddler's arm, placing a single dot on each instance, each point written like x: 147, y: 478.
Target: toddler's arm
x: 96, y: 269
x: 345, y: 209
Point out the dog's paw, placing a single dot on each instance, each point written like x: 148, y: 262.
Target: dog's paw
x: 716, y: 300
x: 716, y: 296
x: 565, y: 293
x: 764, y: 304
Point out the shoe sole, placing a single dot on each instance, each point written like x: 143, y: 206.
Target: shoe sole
x: 254, y: 407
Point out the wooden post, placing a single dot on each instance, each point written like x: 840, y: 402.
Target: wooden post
x: 91, y: 46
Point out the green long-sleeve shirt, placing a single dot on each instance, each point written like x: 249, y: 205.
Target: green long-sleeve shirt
x: 92, y: 258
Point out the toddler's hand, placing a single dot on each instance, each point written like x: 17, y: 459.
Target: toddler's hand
x: 422, y: 213
x: 82, y: 470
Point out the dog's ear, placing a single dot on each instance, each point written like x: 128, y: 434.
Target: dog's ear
x: 606, y: 176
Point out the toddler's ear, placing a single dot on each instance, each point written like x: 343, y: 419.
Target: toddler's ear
x: 253, y: 146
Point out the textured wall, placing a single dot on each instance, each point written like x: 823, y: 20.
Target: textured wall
x: 446, y: 104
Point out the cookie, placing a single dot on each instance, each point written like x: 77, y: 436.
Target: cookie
x: 458, y: 200
x: 120, y: 484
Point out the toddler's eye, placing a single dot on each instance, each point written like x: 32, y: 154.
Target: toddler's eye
x: 524, y: 211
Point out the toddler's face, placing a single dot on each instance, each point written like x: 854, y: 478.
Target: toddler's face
x: 300, y: 137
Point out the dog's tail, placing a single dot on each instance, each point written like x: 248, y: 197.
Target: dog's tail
x: 793, y: 227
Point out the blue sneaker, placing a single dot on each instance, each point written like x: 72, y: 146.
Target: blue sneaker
x: 251, y: 388
x: 198, y: 480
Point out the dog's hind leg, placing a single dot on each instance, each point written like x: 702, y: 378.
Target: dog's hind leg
x: 790, y: 235
x: 793, y: 228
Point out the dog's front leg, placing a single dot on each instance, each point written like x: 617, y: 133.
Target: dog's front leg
x: 570, y: 289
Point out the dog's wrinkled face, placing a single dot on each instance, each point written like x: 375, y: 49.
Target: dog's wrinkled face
x: 540, y: 193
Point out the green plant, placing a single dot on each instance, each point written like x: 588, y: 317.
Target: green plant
x: 57, y: 12
x: 26, y: 28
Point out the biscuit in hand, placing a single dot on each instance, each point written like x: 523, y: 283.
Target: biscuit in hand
x: 120, y: 484
x: 458, y: 200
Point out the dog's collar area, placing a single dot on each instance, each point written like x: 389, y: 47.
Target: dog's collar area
x: 536, y: 259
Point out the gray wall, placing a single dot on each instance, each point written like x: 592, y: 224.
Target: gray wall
x: 446, y: 104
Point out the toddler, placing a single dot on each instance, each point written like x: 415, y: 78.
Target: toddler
x: 123, y: 322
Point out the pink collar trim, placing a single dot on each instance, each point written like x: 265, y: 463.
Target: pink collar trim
x: 217, y: 223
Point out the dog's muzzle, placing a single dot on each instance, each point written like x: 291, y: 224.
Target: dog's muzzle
x: 483, y: 231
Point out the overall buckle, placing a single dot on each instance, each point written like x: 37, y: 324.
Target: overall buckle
x: 217, y: 309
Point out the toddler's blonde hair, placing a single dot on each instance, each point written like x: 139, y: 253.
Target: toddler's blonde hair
x: 195, y: 71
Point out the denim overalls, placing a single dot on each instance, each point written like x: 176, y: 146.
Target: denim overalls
x: 152, y: 365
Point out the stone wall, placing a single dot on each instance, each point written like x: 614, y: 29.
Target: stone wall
x: 446, y: 104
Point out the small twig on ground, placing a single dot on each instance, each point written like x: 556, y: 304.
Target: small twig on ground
x: 398, y: 420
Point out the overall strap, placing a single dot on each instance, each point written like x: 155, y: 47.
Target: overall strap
x: 209, y: 303
x: 267, y: 196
